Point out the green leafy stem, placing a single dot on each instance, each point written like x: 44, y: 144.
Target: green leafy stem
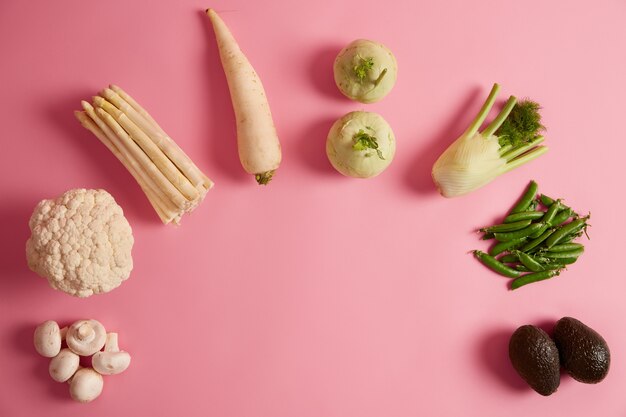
x: 364, y: 141
x: 364, y: 67
x: 517, y: 128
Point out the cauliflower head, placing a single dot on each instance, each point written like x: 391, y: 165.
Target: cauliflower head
x: 81, y: 242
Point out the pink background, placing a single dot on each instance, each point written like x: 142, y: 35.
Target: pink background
x: 318, y: 295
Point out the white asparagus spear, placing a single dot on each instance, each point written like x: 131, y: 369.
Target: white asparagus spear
x: 172, y: 182
x: 123, y: 94
x: 133, y: 163
x: 257, y: 140
x: 169, y: 208
x: 157, y: 204
x: 127, y: 97
x: 160, y: 138
x: 164, y: 164
x: 168, y: 188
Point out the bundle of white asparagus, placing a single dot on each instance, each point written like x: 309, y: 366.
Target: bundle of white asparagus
x: 172, y: 182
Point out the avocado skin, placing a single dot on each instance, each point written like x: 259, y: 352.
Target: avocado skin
x: 583, y: 352
x: 535, y: 358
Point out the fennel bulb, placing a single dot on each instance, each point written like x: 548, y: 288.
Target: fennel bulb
x: 477, y: 158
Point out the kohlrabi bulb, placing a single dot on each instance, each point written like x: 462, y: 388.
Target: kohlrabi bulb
x: 360, y: 144
x: 365, y: 71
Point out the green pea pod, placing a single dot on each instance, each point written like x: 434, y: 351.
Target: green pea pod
x: 495, y: 265
x: 564, y: 247
x: 567, y: 254
x: 521, y: 268
x: 507, y: 227
x: 487, y: 236
x: 536, y: 242
x: 548, y: 201
x: 570, y: 228
x: 539, y: 231
x: 563, y: 216
x: 569, y: 238
x: 524, y: 215
x: 518, y: 234
x: 553, y: 266
x: 545, y: 260
x: 545, y: 200
x: 500, y: 247
x: 561, y: 261
x: 529, y: 262
x: 509, y: 258
x: 534, y: 277
x: 551, y: 213
x: 526, y: 199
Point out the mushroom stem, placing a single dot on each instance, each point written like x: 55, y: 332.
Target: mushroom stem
x: 111, y: 344
x: 86, y: 337
x: 85, y: 332
x: 63, y: 332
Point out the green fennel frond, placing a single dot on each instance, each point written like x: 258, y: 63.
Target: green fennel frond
x: 522, y: 125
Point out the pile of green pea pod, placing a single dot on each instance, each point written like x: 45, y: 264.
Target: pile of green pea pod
x: 533, y: 244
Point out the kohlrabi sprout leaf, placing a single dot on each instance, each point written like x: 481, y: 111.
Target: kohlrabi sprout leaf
x: 363, y: 141
x: 522, y: 125
x: 365, y: 64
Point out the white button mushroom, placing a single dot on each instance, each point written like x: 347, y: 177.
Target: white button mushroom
x: 47, y: 339
x: 86, y: 385
x: 64, y: 365
x: 86, y: 337
x: 112, y: 361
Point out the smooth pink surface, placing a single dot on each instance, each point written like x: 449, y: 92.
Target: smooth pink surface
x: 318, y: 295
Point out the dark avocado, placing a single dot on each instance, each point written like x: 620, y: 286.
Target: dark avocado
x: 583, y: 352
x: 535, y: 357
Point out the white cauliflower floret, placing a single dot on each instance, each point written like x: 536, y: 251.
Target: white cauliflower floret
x: 80, y: 242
